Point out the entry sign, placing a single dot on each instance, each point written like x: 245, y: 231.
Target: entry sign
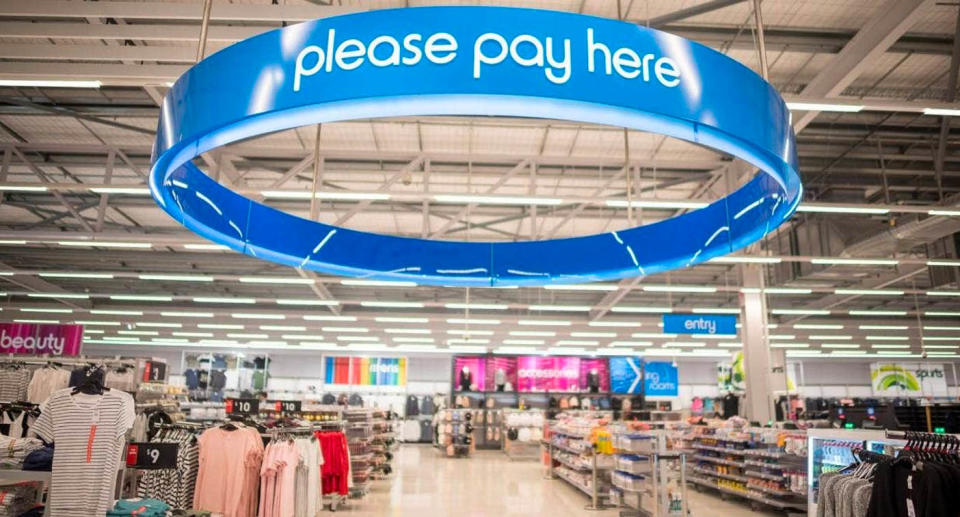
x: 151, y: 456
x: 242, y: 406
x: 721, y: 324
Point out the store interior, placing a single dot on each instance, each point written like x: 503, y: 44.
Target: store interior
x: 700, y: 284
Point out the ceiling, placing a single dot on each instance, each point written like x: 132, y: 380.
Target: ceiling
x: 868, y: 267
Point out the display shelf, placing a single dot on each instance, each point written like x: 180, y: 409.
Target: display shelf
x: 718, y: 461
x: 763, y: 475
x: 764, y: 464
x: 731, y: 477
x: 722, y: 450
x: 746, y: 494
x: 571, y: 465
x: 765, y: 453
x: 772, y: 491
x: 567, y: 448
x: 569, y: 479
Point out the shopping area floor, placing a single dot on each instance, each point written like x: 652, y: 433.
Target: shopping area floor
x: 427, y: 484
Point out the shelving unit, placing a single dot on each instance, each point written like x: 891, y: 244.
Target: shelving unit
x: 578, y: 464
x: 642, y: 477
x: 531, y: 419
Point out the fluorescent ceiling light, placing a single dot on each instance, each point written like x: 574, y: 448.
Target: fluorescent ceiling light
x: 394, y: 305
x: 949, y: 314
x: 139, y: 332
x: 593, y: 334
x: 133, y: 191
x: 853, y: 262
x: 186, y: 314
x: 814, y: 106
x: 842, y: 209
x: 346, y: 196
x: 176, y: 278
x: 312, y: 337
x: 401, y: 339
x: 192, y: 334
x: 560, y: 308
x: 463, y: 332
x: 306, y: 301
x: 158, y: 324
x: 320, y: 317
x: 498, y: 200
x: 9, y: 242
x: 206, y: 247
x: 678, y: 289
x: 106, y: 244
x: 376, y: 283
x: 577, y: 342
x: 275, y: 280
x: 714, y: 310
x: 356, y: 330
x: 941, y: 338
x: 92, y: 331
x: 888, y: 338
x: 627, y: 324
x: 787, y: 290
x: 467, y: 340
x: 116, y: 313
x: 355, y: 338
x: 943, y: 293
x: 800, y: 312
x: 221, y: 326
x: 44, y: 309
x: 685, y: 344
x: 49, y: 83
x: 533, y: 333
x: 678, y: 204
x: 730, y: 345
x: 831, y: 337
x: 59, y: 295
x: 523, y: 341
x: 75, y: 275
x: 885, y: 345
x: 789, y: 345
x: 839, y: 345
x: 98, y: 323
x: 407, y: 331
x: 213, y: 299
x: 257, y: 316
x: 940, y: 347
x: 555, y: 323
x: 582, y: 287
x: 651, y: 335
x: 781, y: 336
x: 944, y: 263
x: 631, y: 343
x: 883, y: 327
x: 943, y: 112
x: 384, y: 319
x: 869, y: 292
x: 472, y: 321
x: 296, y: 328
x: 817, y: 326
x: 931, y: 327
x: 644, y: 310
x: 41, y: 322
x: 877, y: 313
x: 947, y: 213
x: 478, y: 306
x: 140, y: 298
x: 746, y: 260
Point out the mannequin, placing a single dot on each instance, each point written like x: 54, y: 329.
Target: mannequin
x: 500, y: 379
x: 593, y: 381
x: 466, y: 379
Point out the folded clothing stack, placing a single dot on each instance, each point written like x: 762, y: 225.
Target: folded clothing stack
x: 39, y: 460
x: 139, y: 508
x: 19, y: 498
x: 14, y: 450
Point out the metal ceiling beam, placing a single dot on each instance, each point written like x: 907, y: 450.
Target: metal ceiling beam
x: 951, y: 96
x: 689, y: 12
x: 169, y: 11
x: 893, y: 20
x: 442, y: 230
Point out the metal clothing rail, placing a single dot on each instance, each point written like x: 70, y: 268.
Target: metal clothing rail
x: 12, y: 359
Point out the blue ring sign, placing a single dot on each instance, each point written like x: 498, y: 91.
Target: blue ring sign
x: 475, y: 61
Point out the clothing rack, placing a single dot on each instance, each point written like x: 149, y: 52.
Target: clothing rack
x: 78, y: 361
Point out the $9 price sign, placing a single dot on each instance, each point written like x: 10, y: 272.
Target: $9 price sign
x: 150, y: 456
x: 242, y: 406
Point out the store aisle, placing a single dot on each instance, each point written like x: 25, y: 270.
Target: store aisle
x: 488, y: 484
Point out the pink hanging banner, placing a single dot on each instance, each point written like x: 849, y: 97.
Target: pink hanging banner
x: 31, y: 339
x: 537, y: 373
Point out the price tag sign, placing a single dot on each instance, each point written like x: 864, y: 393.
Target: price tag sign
x: 287, y: 406
x: 154, y: 371
x: 152, y: 456
x: 243, y: 406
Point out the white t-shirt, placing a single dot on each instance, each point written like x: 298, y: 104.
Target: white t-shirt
x: 88, y: 431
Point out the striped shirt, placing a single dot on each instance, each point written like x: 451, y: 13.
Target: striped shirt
x: 88, y: 431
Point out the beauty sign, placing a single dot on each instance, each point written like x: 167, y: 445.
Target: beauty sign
x: 30, y: 339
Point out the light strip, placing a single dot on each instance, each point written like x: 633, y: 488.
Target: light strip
x: 561, y: 308
x: 210, y: 299
x: 291, y: 328
x: 581, y: 287
x: 345, y: 196
x: 186, y: 314
x: 943, y: 293
x: 877, y: 313
x: 813, y: 106
x: 472, y: 321
x: 884, y: 327
x: 555, y: 323
x: 306, y: 301
x: 275, y: 280
x: 949, y: 314
x: 393, y: 305
x: 106, y: 244
x: 75, y: 275
x: 944, y: 263
x: 49, y: 83
x: 667, y: 204
x: 176, y: 278
x: 787, y: 290
x: 942, y: 112
x: 817, y: 326
x: 59, y: 295
x: 628, y: 324
x: 478, y: 306
x: 257, y: 316
x: 533, y: 333
x: 869, y: 292
x: 946, y: 213
x: 746, y: 260
x: 800, y: 312
x: 853, y: 262
x: 206, y: 247
x: 376, y: 283
x: 133, y: 191
x: 116, y: 313
x: 497, y: 200
x: 888, y: 338
x: 825, y: 209
x: 641, y: 310
x: 43, y: 309
x: 140, y: 298
x: 401, y: 320
x: 678, y: 289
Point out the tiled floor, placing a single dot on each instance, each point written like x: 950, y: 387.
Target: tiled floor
x: 426, y: 484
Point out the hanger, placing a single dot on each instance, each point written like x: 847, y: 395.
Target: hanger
x: 90, y: 385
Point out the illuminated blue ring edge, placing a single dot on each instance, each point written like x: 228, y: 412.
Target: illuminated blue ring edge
x: 180, y: 154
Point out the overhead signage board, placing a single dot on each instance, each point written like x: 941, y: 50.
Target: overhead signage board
x: 908, y: 379
x: 713, y: 324
x: 475, y: 61
x: 31, y: 339
x: 660, y: 379
x: 365, y: 371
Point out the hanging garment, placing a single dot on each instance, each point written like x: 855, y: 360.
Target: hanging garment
x: 123, y: 379
x: 14, y: 380
x: 335, y: 475
x: 88, y: 431
x: 174, y: 486
x: 45, y: 381
x: 229, y: 471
